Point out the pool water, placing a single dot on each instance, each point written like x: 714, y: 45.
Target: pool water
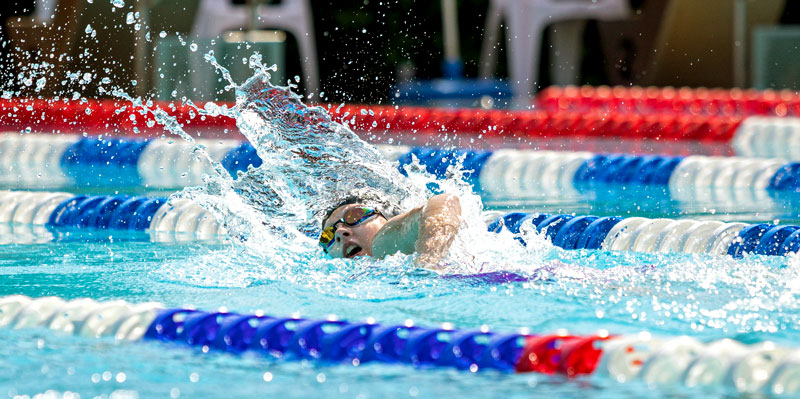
x: 270, y: 263
x: 751, y: 300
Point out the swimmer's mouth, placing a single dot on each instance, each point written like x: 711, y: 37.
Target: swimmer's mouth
x: 352, y: 251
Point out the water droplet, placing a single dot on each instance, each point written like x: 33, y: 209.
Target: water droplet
x: 88, y: 29
x: 193, y: 47
x: 118, y: 3
x: 129, y: 19
x: 162, y: 34
x: 296, y: 78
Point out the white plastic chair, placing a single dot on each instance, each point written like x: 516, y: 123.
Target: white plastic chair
x: 43, y: 10
x: 525, y: 22
x: 294, y: 16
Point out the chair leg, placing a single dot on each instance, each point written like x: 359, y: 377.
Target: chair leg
x: 524, y: 44
x: 491, y: 40
x: 308, y: 55
x: 297, y: 20
x: 565, y: 52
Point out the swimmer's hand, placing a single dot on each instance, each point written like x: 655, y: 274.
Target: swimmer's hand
x: 428, y: 230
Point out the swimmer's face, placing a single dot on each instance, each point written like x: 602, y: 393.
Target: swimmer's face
x: 352, y: 241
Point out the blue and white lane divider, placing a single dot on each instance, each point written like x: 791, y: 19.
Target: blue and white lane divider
x: 56, y: 161
x: 49, y: 161
x: 181, y: 216
x: 758, y: 368
x: 513, y: 173
x: 655, y: 235
x: 768, y: 137
x: 163, y: 219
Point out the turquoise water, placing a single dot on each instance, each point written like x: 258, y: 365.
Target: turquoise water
x: 270, y: 263
x: 751, y: 300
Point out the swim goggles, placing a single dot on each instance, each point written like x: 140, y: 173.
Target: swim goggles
x: 353, y: 217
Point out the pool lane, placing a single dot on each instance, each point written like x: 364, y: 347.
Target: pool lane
x: 165, y: 219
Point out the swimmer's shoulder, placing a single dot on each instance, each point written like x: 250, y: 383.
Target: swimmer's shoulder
x: 399, y: 234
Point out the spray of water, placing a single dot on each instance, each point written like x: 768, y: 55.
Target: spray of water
x: 311, y: 163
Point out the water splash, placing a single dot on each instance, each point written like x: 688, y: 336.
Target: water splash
x: 311, y: 163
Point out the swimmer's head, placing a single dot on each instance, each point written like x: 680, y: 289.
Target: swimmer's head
x: 349, y: 227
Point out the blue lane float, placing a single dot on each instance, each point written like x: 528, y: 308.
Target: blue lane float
x: 337, y: 341
x: 763, y: 367
x: 43, y: 161
x: 104, y: 162
x: 121, y: 212
x: 115, y: 212
x: 653, y: 235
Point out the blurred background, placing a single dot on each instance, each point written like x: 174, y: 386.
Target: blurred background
x: 451, y: 52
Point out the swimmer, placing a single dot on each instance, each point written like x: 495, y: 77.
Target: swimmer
x: 358, y: 226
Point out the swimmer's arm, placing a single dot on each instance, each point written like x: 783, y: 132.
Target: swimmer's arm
x: 399, y: 234
x: 438, y: 226
x: 429, y: 230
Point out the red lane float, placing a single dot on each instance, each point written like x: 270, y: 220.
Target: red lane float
x: 669, y: 100
x: 121, y: 119
x: 540, y: 124
x: 560, y: 354
x: 112, y: 117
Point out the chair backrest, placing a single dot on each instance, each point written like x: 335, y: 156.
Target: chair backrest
x: 43, y: 10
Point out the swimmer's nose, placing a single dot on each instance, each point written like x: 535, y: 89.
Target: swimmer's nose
x: 342, y: 232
